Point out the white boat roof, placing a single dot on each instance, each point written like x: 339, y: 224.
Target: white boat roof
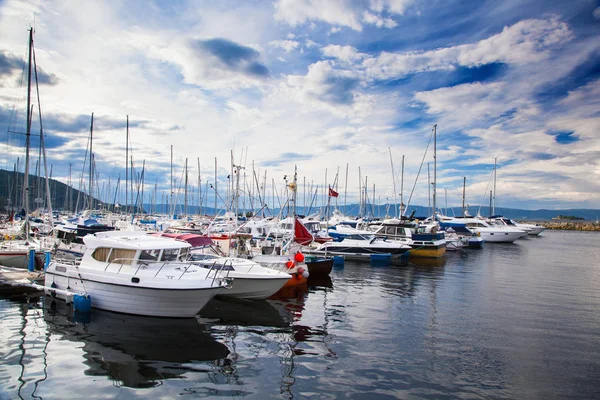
x: 132, y: 240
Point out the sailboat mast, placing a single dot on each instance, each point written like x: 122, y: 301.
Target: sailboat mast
x: 434, y: 168
x: 494, y: 203
x: 42, y: 145
x: 28, y: 141
x: 127, y: 166
x: 463, y: 203
x: 185, y: 190
x: 402, y: 189
x: 393, y: 175
x: 90, y: 205
x: 346, y: 188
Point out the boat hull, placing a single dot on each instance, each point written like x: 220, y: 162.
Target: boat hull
x: 156, y: 302
x: 319, y: 266
x: 501, y: 237
x: 427, y: 250
x: 19, y: 259
x: 254, y: 288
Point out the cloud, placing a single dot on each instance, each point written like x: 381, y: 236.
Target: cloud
x: 525, y: 42
x: 344, y: 53
x: 342, y: 13
x: 287, y: 45
x: 378, y: 21
x: 231, y: 56
x: 9, y: 64
x: 326, y: 84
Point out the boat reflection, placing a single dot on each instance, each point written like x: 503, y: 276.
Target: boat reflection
x: 136, y: 351
x: 319, y: 282
x: 242, y: 312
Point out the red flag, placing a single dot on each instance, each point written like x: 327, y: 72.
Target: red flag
x: 301, y: 234
x: 333, y: 193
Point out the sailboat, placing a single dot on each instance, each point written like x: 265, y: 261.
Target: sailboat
x: 24, y: 251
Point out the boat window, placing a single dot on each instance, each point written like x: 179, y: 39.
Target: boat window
x: 170, y: 255
x: 150, y: 255
x: 101, y: 254
x: 183, y: 255
x: 122, y: 256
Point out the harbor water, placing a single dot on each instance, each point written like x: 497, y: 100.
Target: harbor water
x: 509, y: 321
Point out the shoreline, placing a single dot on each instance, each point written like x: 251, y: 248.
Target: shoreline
x: 569, y: 225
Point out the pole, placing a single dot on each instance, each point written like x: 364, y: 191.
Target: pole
x: 434, y: 169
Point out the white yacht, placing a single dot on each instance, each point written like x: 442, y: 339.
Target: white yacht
x: 359, y: 245
x: 134, y: 273
x: 490, y: 233
x: 250, y: 279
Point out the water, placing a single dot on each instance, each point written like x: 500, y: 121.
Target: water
x: 505, y: 322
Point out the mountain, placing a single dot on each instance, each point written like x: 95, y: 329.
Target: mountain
x: 11, y: 192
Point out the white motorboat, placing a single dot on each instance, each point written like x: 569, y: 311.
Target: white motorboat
x: 532, y: 229
x: 134, y: 273
x: 361, y: 245
x: 490, y: 233
x: 250, y: 279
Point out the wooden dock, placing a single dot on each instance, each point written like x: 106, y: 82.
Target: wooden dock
x: 11, y: 278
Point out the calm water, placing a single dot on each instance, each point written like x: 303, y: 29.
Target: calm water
x: 509, y: 321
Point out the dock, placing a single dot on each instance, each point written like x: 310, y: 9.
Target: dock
x: 13, y: 280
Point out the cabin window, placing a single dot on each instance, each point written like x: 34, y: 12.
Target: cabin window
x: 183, y: 255
x: 121, y: 256
x: 170, y: 255
x: 149, y: 255
x: 101, y: 254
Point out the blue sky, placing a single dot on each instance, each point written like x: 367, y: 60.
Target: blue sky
x: 320, y: 85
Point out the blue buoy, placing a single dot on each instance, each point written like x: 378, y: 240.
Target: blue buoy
x: 338, y: 262
x: 47, y: 260
x: 31, y: 261
x: 82, y: 302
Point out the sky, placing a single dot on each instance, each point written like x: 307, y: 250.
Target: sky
x: 322, y: 86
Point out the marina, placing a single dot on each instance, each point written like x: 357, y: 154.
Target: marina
x: 510, y: 320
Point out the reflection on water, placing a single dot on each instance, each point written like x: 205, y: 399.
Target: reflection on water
x: 507, y: 321
x: 134, y: 351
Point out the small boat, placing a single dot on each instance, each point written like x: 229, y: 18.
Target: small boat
x: 251, y: 280
x: 361, y: 246
x: 319, y: 266
x: 134, y: 273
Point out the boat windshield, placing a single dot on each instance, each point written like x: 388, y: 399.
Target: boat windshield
x: 170, y: 255
x: 149, y: 255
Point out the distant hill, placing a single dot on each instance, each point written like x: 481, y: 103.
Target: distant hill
x: 11, y: 187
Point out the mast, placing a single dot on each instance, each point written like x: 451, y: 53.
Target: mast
x: 346, y: 188
x: 216, y: 188
x: 28, y: 141
x: 463, y: 203
x: 91, y: 187
x: 127, y: 166
x: 494, y: 203
x: 393, y: 174
x: 402, y: 189
x: 171, y: 198
x: 185, y: 190
x: 434, y: 168
x: 43, y: 147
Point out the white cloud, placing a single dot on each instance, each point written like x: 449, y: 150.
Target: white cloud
x: 344, y: 53
x: 378, y: 21
x: 525, y: 42
x: 341, y: 13
x: 287, y: 45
